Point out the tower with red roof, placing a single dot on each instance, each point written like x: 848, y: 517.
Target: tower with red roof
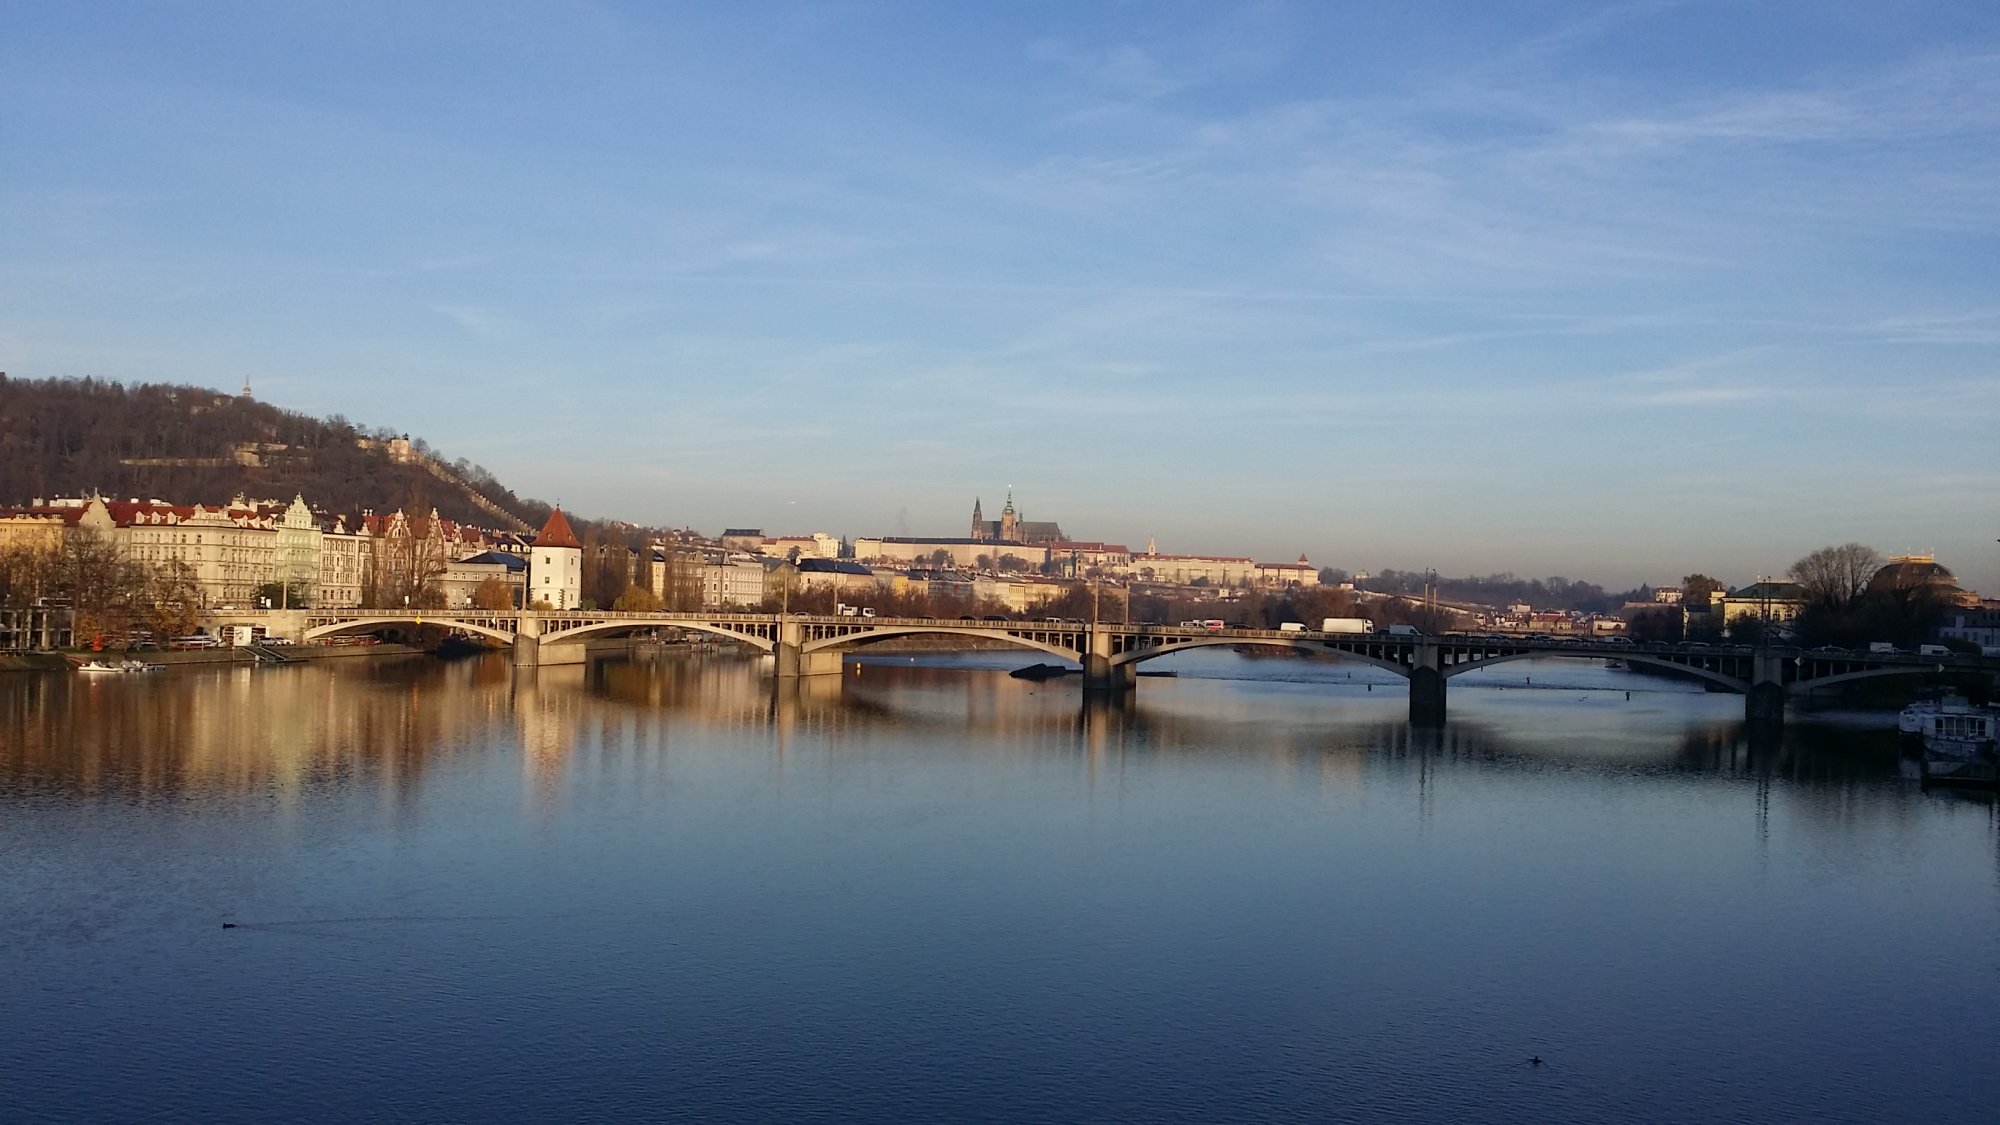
x: 555, y: 565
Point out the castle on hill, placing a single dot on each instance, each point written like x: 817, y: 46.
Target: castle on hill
x: 1011, y: 528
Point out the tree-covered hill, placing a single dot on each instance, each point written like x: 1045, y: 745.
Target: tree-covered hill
x: 69, y: 437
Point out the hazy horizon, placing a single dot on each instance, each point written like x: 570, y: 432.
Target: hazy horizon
x: 1616, y: 294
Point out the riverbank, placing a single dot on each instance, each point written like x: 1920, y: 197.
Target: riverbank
x: 32, y: 662
x: 64, y: 661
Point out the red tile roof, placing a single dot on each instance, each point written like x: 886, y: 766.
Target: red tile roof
x: 556, y: 532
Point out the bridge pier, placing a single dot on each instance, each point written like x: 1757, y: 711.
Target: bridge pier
x: 1100, y: 675
x: 792, y: 661
x: 1764, y: 703
x: 1427, y: 697
x: 1427, y: 682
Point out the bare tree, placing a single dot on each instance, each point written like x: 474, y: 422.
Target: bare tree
x: 1835, y: 576
x: 109, y: 592
x: 97, y: 580
x: 680, y: 578
x: 405, y: 569
x: 170, y: 599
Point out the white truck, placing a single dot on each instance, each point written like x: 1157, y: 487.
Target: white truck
x: 1292, y: 627
x: 1347, y: 625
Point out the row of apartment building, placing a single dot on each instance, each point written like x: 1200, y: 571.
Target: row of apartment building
x: 231, y: 551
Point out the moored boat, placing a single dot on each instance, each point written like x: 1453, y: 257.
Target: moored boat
x: 116, y: 667
x: 1952, y: 727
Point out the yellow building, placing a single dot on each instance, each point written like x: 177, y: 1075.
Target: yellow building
x: 1768, y: 600
x: 30, y: 533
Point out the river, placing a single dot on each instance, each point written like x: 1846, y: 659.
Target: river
x: 409, y: 889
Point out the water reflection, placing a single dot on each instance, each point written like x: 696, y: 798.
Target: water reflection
x: 394, y: 721
x: 242, y: 729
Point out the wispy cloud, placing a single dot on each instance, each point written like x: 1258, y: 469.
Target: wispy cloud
x: 478, y: 321
x: 1980, y: 327
x: 1701, y: 396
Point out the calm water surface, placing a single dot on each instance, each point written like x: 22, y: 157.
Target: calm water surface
x: 924, y: 891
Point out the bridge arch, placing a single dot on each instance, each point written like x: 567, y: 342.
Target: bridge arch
x: 578, y: 633
x: 1733, y: 683
x: 369, y: 624
x: 882, y: 633
x: 1801, y: 687
x: 1134, y: 656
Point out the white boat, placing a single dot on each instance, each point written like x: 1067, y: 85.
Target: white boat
x: 116, y: 667
x: 1951, y: 727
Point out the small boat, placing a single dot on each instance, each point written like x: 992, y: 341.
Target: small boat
x: 116, y: 667
x: 1041, y: 672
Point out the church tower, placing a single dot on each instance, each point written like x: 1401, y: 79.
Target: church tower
x: 555, y: 565
x: 978, y: 520
x: 1010, y: 521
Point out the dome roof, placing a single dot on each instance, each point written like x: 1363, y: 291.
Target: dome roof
x: 1908, y: 572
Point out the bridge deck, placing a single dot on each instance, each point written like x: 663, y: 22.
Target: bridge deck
x: 1734, y: 665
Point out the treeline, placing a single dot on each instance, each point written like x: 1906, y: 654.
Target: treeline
x: 111, y: 596
x: 67, y: 437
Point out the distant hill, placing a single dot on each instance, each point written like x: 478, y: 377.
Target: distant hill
x: 69, y: 437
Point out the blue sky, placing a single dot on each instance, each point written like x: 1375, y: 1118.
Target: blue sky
x: 1611, y: 292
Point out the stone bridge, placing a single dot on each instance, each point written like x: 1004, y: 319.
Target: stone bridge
x: 805, y: 645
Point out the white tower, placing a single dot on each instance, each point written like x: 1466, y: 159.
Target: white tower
x: 555, y: 565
